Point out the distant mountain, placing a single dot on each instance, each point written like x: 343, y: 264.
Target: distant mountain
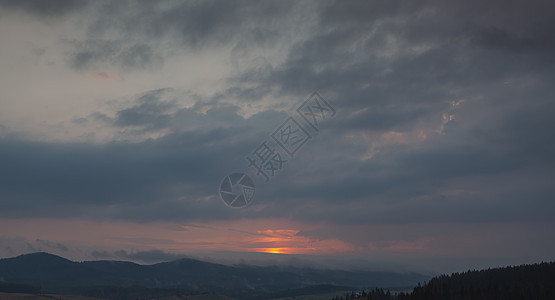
x: 45, y: 269
x: 108, y: 278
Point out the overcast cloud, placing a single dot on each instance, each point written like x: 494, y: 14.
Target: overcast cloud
x: 134, y: 111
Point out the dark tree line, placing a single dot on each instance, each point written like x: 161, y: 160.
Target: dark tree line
x: 535, y: 281
x: 375, y: 294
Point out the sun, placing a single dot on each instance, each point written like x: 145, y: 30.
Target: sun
x: 273, y: 250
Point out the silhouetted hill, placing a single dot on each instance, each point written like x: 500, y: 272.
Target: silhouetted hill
x: 116, y: 279
x: 45, y: 269
x: 195, y: 274
x: 535, y: 281
x: 18, y: 288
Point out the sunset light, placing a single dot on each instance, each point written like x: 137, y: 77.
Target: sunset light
x: 277, y: 149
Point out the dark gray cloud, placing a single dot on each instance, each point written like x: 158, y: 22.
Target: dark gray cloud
x: 503, y: 39
x: 398, y: 48
x: 148, y: 257
x: 458, y: 175
x: 193, y: 23
x: 159, y: 109
x: 150, y: 112
x: 80, y: 179
x: 79, y: 120
x: 394, y: 62
x: 93, y: 54
x: 49, y: 9
x: 152, y: 256
x: 393, y: 70
x: 461, y: 175
x: 52, y: 245
x: 155, y: 179
x: 149, y: 31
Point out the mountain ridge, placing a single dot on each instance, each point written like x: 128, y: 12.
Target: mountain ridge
x: 56, y: 274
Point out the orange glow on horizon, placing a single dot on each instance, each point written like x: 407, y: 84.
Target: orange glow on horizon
x: 276, y: 236
x: 273, y: 250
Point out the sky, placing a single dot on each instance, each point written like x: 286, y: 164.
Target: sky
x: 119, y: 120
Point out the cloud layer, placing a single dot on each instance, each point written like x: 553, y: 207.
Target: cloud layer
x: 135, y: 111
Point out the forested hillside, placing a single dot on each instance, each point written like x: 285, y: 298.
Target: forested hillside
x: 535, y: 281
